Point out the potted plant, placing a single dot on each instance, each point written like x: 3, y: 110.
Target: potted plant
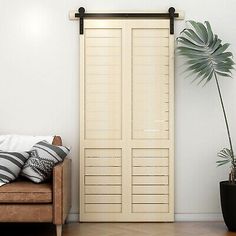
x: 208, y: 60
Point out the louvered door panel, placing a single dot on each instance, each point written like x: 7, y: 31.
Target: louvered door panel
x: 103, y: 84
x: 126, y: 120
x: 150, y: 82
x: 151, y: 195
x: 103, y: 184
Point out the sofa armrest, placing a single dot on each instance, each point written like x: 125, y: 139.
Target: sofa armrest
x: 61, y: 191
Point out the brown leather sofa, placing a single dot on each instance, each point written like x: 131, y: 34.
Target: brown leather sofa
x: 25, y: 201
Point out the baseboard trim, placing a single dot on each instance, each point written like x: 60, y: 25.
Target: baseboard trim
x: 74, y: 217
x: 198, y: 217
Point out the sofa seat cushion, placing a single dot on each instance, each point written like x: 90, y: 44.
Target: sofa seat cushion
x: 22, y: 191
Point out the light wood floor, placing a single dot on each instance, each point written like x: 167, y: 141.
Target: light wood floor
x: 119, y: 229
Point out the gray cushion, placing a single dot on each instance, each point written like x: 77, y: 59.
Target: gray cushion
x: 10, y: 165
x: 43, y: 157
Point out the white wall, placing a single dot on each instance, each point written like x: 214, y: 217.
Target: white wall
x: 39, y: 89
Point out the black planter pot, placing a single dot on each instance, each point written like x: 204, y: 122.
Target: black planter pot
x: 228, y: 204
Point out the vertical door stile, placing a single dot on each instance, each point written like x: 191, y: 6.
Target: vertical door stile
x: 171, y: 125
x: 126, y: 100
x: 82, y: 123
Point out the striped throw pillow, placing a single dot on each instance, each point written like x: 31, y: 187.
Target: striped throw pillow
x: 10, y: 165
x: 43, y: 157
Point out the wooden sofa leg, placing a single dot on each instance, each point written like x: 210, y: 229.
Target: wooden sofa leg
x: 59, y: 230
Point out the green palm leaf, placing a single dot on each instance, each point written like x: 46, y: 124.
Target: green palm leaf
x: 226, y: 155
x: 207, y: 58
x: 206, y: 54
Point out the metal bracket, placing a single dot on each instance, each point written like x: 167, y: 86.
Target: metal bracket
x: 81, y: 20
x: 172, y: 19
x: 171, y: 15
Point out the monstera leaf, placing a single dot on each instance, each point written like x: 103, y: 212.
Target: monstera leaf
x: 207, y: 56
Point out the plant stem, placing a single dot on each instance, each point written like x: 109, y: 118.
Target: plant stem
x: 225, y: 117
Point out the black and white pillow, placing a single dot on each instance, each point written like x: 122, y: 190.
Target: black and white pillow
x: 10, y: 165
x: 43, y: 157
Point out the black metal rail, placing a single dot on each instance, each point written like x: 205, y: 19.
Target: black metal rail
x: 170, y: 15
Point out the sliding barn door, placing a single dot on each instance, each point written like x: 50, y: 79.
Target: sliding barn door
x: 126, y: 121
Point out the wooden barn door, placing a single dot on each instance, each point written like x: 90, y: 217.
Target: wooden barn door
x: 126, y: 121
